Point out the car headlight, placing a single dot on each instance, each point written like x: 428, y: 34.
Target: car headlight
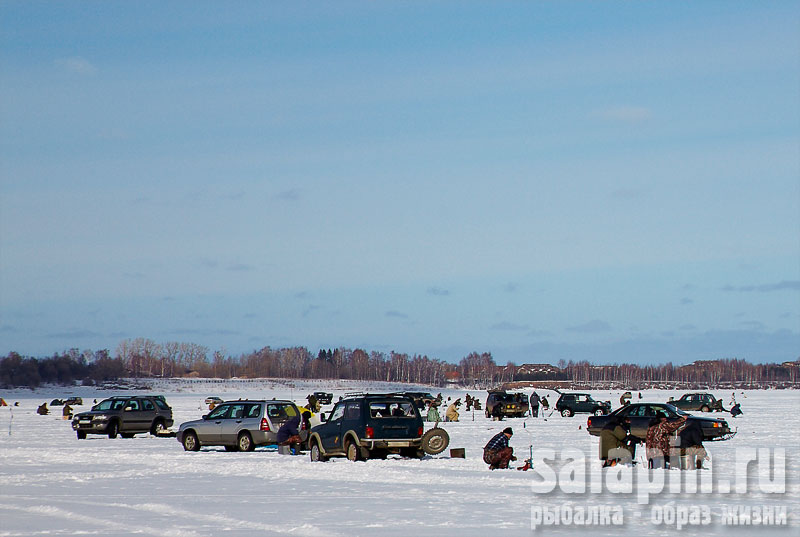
x: 100, y: 417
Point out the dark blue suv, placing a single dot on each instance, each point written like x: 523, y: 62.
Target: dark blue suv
x: 372, y: 426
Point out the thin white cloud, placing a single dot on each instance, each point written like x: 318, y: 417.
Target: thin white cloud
x: 76, y: 64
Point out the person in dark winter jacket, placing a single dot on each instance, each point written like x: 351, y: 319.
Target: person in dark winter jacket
x: 736, y: 410
x: 535, y: 405
x: 691, y: 438
x: 290, y: 432
x: 497, y: 453
x: 42, y: 410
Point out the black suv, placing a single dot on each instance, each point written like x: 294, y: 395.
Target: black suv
x: 125, y: 416
x: 324, y: 398
x: 570, y: 404
x: 502, y: 403
x: 704, y: 402
x: 372, y: 426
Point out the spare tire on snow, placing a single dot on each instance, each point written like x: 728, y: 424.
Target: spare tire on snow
x: 435, y: 441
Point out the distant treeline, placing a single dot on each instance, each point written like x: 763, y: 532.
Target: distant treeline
x: 66, y: 368
x: 145, y: 358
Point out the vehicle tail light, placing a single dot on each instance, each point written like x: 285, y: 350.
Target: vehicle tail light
x: 717, y: 424
x: 419, y: 431
x: 370, y: 432
x: 588, y: 423
x: 264, y: 425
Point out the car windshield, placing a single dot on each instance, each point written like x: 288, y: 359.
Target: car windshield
x: 110, y: 404
x: 505, y: 397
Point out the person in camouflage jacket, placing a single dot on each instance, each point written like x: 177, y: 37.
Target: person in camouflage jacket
x: 658, y: 437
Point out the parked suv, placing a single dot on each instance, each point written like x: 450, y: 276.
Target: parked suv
x: 324, y: 398
x: 514, y: 405
x: 125, y: 416
x: 238, y: 425
x: 366, y: 426
x: 704, y: 402
x: 574, y: 403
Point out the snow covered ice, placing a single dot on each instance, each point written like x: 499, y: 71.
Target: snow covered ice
x: 51, y: 483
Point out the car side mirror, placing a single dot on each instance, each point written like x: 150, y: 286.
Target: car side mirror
x: 128, y: 408
x: 205, y: 416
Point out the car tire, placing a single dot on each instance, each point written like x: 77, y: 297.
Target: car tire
x: 566, y: 413
x: 315, y: 453
x: 599, y: 412
x: 245, y: 442
x: 704, y: 409
x: 113, y: 429
x: 435, y: 441
x: 352, y: 451
x: 81, y: 435
x: 158, y: 427
x: 190, y: 442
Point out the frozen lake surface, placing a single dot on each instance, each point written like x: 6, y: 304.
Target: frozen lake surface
x: 53, y: 484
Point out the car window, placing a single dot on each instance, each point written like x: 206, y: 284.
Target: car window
x: 104, y: 405
x: 161, y: 404
x: 221, y: 412
x: 237, y: 411
x: 352, y: 411
x: 385, y: 409
x: 337, y: 413
x: 133, y: 404
x: 147, y: 404
x: 118, y: 404
x: 254, y: 411
x: 281, y: 411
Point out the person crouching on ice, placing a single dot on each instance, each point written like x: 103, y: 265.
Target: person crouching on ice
x: 497, y: 453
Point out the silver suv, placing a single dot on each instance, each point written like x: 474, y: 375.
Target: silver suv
x: 238, y: 425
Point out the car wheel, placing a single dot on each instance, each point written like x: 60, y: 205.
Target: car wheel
x: 566, y: 413
x: 245, y: 442
x: 435, y: 441
x: 704, y: 409
x: 113, y: 429
x: 190, y: 442
x: 352, y: 451
x: 158, y: 427
x: 81, y: 435
x: 316, y: 453
x: 599, y: 412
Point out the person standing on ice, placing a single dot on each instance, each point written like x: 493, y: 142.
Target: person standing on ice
x: 497, y: 453
x: 535, y: 405
x: 657, y: 441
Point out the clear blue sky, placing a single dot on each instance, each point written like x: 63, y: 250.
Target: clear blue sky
x: 610, y: 181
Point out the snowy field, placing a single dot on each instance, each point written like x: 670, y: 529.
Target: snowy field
x: 53, y: 484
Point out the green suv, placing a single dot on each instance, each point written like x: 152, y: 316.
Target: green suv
x: 373, y: 426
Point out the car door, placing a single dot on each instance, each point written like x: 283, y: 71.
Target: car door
x: 210, y: 429
x: 132, y: 417
x: 330, y: 431
x: 231, y: 423
x: 148, y: 413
